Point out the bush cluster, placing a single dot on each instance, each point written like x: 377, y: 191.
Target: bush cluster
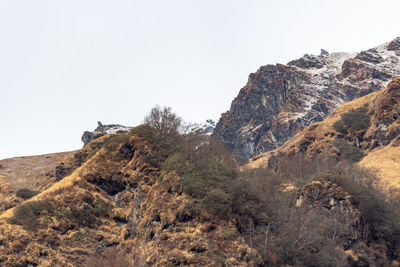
x: 160, y: 148
x: 28, y: 213
x: 207, y: 171
x: 26, y: 193
x: 353, y: 121
x: 379, y: 216
x: 348, y: 152
x: 264, y: 212
x: 286, y: 235
x: 301, y: 236
x: 111, y: 144
x: 88, y: 215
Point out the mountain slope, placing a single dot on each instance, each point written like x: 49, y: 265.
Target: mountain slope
x: 33, y: 173
x: 379, y: 142
x: 27, y: 172
x: 117, y: 203
x: 280, y: 100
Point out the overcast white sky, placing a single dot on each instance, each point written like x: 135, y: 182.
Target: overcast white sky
x: 64, y: 65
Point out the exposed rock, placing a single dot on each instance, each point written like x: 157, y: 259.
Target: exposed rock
x: 253, y: 110
x: 370, y: 56
x: 112, y: 183
x: 87, y: 137
x: 62, y: 170
x: 101, y: 130
x: 279, y: 101
x: 332, y: 199
x: 394, y: 45
x: 324, y: 53
x: 199, y: 248
x: 358, y: 71
x: 308, y: 62
x: 379, y: 142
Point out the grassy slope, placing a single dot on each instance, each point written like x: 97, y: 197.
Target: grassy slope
x: 386, y: 161
x: 74, y: 246
x: 28, y: 172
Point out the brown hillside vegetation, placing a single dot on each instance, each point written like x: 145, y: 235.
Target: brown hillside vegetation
x: 33, y: 173
x: 162, y: 195
x: 29, y: 171
x: 375, y: 146
x: 118, y: 203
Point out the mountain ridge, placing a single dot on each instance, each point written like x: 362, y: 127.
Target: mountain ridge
x: 379, y: 142
x: 156, y: 195
x: 280, y: 100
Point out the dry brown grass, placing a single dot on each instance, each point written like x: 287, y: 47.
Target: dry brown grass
x: 259, y: 161
x: 386, y: 160
x: 29, y: 172
x: 59, y: 242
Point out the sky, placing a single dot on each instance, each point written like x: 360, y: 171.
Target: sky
x: 64, y: 65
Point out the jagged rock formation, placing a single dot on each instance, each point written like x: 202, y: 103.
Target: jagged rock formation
x: 280, y: 100
x: 380, y: 142
x: 101, y: 130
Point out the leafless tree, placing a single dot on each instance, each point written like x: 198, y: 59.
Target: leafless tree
x: 164, y: 122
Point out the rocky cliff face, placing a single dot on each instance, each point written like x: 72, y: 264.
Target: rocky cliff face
x: 280, y: 100
x: 379, y: 142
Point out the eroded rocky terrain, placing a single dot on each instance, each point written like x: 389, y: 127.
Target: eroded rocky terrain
x: 280, y: 100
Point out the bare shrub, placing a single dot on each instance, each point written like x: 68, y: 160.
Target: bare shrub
x: 164, y: 122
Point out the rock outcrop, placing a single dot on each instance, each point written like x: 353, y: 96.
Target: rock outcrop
x: 280, y: 100
x: 101, y: 130
x: 378, y: 143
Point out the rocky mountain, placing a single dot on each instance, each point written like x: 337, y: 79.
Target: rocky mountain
x: 375, y: 144
x: 280, y: 100
x: 154, y: 198
x: 168, y: 194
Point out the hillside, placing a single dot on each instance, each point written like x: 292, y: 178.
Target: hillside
x: 33, y: 172
x: 166, y: 193
x: 377, y: 143
x: 29, y: 171
x: 160, y: 196
x: 280, y: 100
x: 116, y: 208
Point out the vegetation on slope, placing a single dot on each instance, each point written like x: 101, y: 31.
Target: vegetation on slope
x: 353, y: 121
x: 347, y: 151
x: 265, y: 213
x: 168, y: 194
